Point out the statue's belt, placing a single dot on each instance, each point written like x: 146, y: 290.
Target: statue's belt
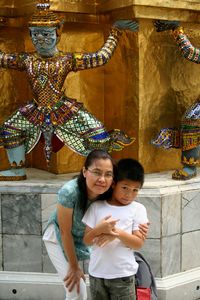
x: 58, y: 114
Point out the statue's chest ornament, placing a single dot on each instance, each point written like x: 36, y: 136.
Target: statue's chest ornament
x: 44, y: 71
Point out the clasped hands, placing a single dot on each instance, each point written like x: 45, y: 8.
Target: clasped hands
x: 108, y: 231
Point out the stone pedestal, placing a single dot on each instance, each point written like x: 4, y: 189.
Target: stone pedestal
x: 173, y: 244
x: 172, y: 247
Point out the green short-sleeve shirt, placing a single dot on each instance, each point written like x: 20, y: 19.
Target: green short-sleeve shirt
x: 69, y: 196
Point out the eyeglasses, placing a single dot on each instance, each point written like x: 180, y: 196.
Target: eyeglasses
x: 99, y: 174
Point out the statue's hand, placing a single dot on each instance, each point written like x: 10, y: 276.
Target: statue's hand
x: 126, y: 25
x: 166, y: 25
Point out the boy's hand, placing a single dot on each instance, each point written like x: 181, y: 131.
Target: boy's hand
x: 107, y: 225
x: 126, y: 25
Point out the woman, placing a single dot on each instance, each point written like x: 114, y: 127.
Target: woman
x: 64, y: 234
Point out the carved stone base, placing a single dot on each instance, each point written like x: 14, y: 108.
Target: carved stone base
x: 172, y: 247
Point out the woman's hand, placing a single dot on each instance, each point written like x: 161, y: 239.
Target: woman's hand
x: 104, y: 239
x: 143, y: 229
x: 73, y: 278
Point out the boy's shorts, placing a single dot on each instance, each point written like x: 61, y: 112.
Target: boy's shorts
x: 113, y: 289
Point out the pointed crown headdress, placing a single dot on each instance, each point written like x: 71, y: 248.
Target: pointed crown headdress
x: 44, y: 16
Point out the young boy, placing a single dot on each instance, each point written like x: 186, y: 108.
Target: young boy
x: 114, y: 224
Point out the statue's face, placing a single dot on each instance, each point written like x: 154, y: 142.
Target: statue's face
x: 44, y: 39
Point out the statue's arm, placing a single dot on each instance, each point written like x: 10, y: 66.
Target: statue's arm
x: 187, y: 49
x: 12, y: 60
x: 83, y: 61
x: 101, y: 57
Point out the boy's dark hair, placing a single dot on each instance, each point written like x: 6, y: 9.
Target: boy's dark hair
x: 129, y: 168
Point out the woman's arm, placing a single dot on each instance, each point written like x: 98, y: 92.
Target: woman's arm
x: 143, y: 229
x: 74, y: 273
x: 134, y: 240
x: 95, y: 236
x: 65, y: 226
x: 89, y: 236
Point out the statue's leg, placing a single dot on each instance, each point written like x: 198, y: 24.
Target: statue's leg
x: 186, y: 138
x: 190, y: 160
x: 18, y: 136
x: 83, y: 132
x: 167, y: 138
x: 16, y: 158
x: 190, y: 137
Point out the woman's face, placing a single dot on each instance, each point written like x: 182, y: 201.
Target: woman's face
x: 99, y: 177
x: 44, y: 39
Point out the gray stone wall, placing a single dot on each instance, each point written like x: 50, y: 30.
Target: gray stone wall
x: 174, y: 237
x: 173, y: 244
x: 24, y: 216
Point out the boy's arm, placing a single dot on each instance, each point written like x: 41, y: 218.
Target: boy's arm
x: 104, y: 239
x: 106, y: 226
x: 134, y: 240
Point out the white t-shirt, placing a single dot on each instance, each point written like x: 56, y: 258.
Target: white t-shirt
x: 114, y: 260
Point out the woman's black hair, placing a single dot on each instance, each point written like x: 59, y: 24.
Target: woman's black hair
x: 93, y: 155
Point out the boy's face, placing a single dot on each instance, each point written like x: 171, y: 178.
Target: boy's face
x: 125, y: 191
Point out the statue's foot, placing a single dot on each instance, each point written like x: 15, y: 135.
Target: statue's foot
x: 120, y: 139
x: 13, y: 175
x: 184, y: 174
x: 164, y: 139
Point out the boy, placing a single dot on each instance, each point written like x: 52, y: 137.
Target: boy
x: 112, y: 263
